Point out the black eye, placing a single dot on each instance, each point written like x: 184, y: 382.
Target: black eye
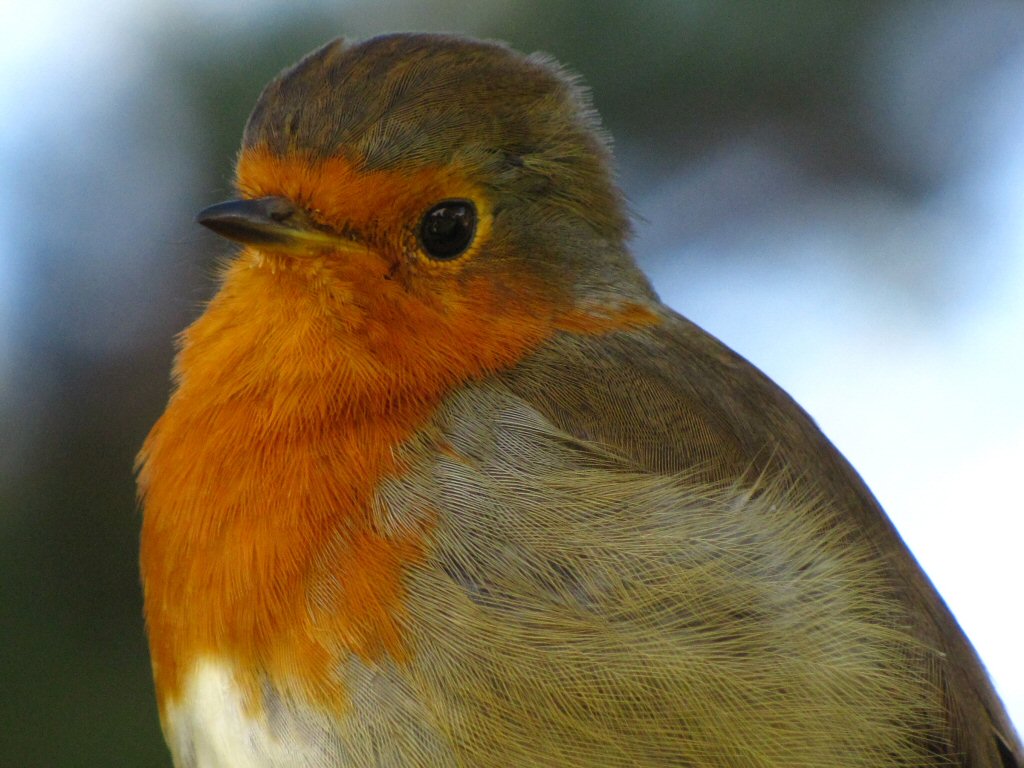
x: 447, y: 229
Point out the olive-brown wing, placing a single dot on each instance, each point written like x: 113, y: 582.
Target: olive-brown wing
x: 674, y: 401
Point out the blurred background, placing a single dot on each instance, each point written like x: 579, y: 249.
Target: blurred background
x: 835, y: 189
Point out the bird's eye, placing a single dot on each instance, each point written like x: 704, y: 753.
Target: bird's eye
x: 447, y: 229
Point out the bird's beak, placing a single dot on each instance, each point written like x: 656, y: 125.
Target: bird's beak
x: 272, y: 221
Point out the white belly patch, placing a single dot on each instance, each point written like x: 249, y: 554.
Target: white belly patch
x: 208, y: 727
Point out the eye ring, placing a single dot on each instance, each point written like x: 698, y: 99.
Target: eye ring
x: 447, y: 230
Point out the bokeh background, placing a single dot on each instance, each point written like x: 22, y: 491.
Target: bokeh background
x: 836, y: 189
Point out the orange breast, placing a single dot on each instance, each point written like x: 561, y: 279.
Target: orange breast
x: 256, y: 482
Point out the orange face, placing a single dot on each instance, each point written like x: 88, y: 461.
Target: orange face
x: 422, y: 318
x: 381, y: 210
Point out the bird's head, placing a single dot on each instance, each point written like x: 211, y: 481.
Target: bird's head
x: 427, y: 191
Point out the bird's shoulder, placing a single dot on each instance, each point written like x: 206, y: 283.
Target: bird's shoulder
x: 668, y: 396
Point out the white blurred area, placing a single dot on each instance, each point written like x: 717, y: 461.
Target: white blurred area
x: 898, y: 325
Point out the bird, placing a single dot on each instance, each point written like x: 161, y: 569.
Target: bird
x: 442, y: 482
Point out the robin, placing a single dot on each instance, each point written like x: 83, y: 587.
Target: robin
x: 442, y: 483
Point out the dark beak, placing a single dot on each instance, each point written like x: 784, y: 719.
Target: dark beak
x: 271, y: 221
